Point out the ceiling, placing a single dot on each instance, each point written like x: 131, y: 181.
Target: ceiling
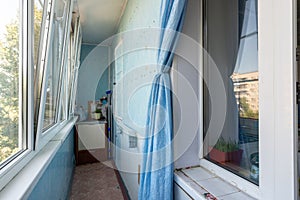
x: 100, y: 19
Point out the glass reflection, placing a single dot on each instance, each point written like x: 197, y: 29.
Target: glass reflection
x: 232, y: 43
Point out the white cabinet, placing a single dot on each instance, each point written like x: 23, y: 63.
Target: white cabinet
x: 91, y: 136
x: 91, y: 141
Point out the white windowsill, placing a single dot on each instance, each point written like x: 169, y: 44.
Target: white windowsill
x: 24, y: 182
x: 198, y: 182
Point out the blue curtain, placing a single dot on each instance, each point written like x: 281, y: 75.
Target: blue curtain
x: 157, y: 166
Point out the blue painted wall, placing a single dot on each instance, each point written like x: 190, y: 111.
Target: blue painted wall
x: 56, y: 181
x: 93, y: 74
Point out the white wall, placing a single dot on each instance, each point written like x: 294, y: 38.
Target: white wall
x: 185, y: 84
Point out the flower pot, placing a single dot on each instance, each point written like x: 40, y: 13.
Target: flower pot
x: 236, y: 156
x: 96, y: 115
x: 222, y: 157
x: 218, y: 156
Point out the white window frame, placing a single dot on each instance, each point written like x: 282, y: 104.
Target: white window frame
x: 26, y: 126
x: 277, y: 106
x: 41, y: 82
x: 63, y: 73
x: 43, y: 137
x: 21, y: 160
x: 71, y: 71
x: 75, y: 62
x: 277, y: 48
x: 64, y: 89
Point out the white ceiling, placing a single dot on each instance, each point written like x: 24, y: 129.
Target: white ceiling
x: 100, y: 19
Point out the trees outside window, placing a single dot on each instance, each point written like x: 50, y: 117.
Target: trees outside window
x: 9, y: 90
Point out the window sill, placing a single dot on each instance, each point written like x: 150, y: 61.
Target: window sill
x: 23, y: 183
x: 198, y: 183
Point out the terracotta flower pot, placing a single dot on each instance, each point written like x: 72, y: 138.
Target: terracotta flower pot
x: 218, y: 156
x: 236, y: 156
x: 222, y: 157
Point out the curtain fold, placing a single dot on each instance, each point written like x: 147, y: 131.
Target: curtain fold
x: 157, y: 165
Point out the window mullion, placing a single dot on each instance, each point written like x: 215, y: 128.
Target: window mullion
x: 28, y: 76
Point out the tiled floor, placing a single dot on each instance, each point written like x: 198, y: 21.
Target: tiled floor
x: 95, y: 182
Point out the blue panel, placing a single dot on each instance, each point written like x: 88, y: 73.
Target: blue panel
x: 85, y: 50
x: 93, y: 74
x: 102, y: 85
x: 56, y: 181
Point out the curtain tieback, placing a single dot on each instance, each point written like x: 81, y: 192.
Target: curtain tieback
x: 164, y: 72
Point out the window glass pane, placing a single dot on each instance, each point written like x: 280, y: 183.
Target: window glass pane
x: 74, y: 91
x: 71, y: 68
x: 52, y: 87
x: 64, y: 103
x: 231, y: 43
x: 10, y: 73
x: 58, y: 37
x: 69, y: 71
x: 247, y: 17
x: 75, y: 65
x: 38, y: 16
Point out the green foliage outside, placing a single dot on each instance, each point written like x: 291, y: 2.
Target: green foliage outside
x: 9, y: 90
x: 9, y: 85
x: 245, y: 110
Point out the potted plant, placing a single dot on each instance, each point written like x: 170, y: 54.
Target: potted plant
x: 97, y: 114
x: 226, y: 151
